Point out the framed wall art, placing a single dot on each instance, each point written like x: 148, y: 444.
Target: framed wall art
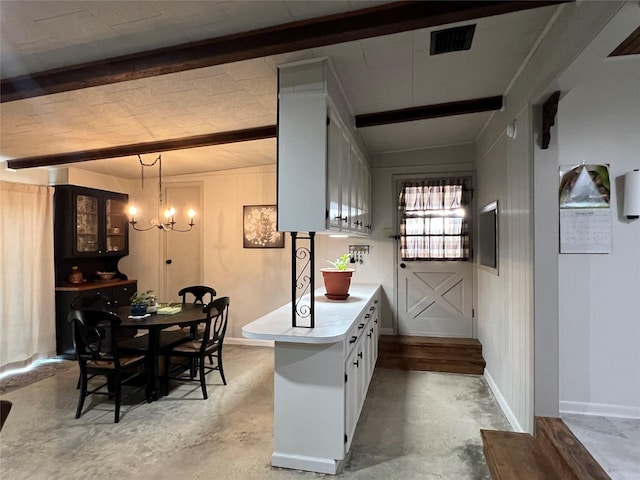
x: 259, y: 227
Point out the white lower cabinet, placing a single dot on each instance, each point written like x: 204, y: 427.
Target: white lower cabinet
x: 321, y: 378
x: 362, y: 353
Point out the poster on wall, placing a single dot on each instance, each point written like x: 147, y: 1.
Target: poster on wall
x: 259, y: 227
x: 585, y: 214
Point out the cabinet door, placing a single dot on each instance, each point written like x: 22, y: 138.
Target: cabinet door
x: 116, y: 224
x: 87, y: 223
x: 366, y: 199
x: 337, y: 175
x: 371, y: 342
x: 354, y: 208
x: 334, y: 149
x: 345, y: 182
x: 353, y: 396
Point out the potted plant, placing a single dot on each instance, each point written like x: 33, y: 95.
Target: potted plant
x: 141, y: 301
x: 337, y: 279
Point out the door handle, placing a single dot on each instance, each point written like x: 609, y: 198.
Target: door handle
x: 403, y: 265
x: 168, y: 261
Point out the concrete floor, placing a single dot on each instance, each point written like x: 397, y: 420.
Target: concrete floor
x: 414, y: 425
x: 613, y: 442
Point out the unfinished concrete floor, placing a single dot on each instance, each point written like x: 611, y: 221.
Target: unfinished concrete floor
x: 414, y: 425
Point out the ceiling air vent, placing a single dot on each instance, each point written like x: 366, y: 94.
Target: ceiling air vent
x: 452, y: 39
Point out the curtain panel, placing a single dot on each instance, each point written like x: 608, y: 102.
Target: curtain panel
x: 27, y: 280
x: 434, y: 221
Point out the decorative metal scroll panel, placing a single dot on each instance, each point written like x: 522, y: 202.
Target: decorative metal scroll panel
x: 302, y: 282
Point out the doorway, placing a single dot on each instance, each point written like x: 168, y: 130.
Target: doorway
x: 182, y: 265
x: 434, y: 259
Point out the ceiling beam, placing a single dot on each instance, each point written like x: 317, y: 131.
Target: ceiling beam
x: 385, y: 19
x: 258, y: 133
x: 246, y: 135
x: 629, y: 46
x: 462, y: 107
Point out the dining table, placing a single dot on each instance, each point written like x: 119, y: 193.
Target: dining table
x: 159, y: 336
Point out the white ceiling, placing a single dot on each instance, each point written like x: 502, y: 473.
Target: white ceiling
x: 377, y: 74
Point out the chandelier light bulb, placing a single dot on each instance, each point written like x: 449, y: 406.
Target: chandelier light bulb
x: 169, y: 225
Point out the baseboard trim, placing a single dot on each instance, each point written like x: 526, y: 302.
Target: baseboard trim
x: 600, y: 409
x: 249, y: 342
x: 304, y: 462
x: 504, y: 405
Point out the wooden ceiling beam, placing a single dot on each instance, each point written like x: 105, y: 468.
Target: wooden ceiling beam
x: 462, y: 107
x: 219, y: 138
x: 629, y: 46
x: 257, y: 133
x: 316, y: 32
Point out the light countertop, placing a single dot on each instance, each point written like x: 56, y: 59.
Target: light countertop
x: 333, y: 318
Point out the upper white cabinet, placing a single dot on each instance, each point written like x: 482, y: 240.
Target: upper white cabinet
x: 323, y: 178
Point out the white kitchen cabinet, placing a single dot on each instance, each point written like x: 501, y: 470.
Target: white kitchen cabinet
x: 321, y: 171
x: 360, y: 194
x: 361, y: 359
x: 321, y: 378
x: 338, y: 174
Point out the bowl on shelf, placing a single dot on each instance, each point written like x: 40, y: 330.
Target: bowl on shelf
x: 105, y: 275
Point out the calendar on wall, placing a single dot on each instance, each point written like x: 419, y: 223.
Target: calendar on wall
x: 585, y: 214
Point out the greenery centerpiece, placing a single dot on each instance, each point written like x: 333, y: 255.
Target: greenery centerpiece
x: 141, y: 301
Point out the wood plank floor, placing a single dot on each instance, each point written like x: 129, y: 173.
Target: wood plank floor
x: 553, y: 454
x: 435, y: 354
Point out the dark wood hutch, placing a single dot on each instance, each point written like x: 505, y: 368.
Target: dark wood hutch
x: 91, y: 232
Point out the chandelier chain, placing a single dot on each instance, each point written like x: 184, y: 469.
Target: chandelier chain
x: 142, y: 165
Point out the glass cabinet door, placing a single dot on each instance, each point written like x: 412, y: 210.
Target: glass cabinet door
x: 86, y: 223
x: 116, y: 224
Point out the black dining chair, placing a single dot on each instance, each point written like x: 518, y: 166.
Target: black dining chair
x: 96, y: 345
x: 104, y: 303
x: 196, y: 350
x: 198, y: 292
x: 99, y: 301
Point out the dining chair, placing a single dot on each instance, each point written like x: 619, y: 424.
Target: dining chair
x: 198, y: 292
x: 99, y: 301
x: 104, y: 303
x: 92, y: 301
x: 196, y: 350
x: 96, y: 345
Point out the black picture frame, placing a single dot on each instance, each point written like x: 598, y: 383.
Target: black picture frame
x: 259, y: 227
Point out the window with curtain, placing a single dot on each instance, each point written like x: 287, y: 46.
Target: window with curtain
x: 434, y: 220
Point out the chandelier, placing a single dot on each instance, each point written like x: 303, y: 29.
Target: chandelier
x: 169, y: 223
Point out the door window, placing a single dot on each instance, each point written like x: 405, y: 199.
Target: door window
x: 434, y: 220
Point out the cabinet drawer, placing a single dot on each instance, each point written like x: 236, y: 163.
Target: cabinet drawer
x: 120, y: 294
x: 355, y: 332
x: 359, y: 327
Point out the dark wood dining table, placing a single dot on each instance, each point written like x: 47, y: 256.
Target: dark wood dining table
x: 190, y: 316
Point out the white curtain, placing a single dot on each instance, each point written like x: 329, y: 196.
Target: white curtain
x: 27, y: 280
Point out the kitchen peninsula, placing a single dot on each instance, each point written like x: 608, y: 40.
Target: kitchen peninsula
x: 321, y: 377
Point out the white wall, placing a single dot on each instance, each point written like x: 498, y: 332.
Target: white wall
x: 505, y: 301
x: 34, y: 176
x: 509, y: 342
x: 599, y: 304
x: 256, y: 280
